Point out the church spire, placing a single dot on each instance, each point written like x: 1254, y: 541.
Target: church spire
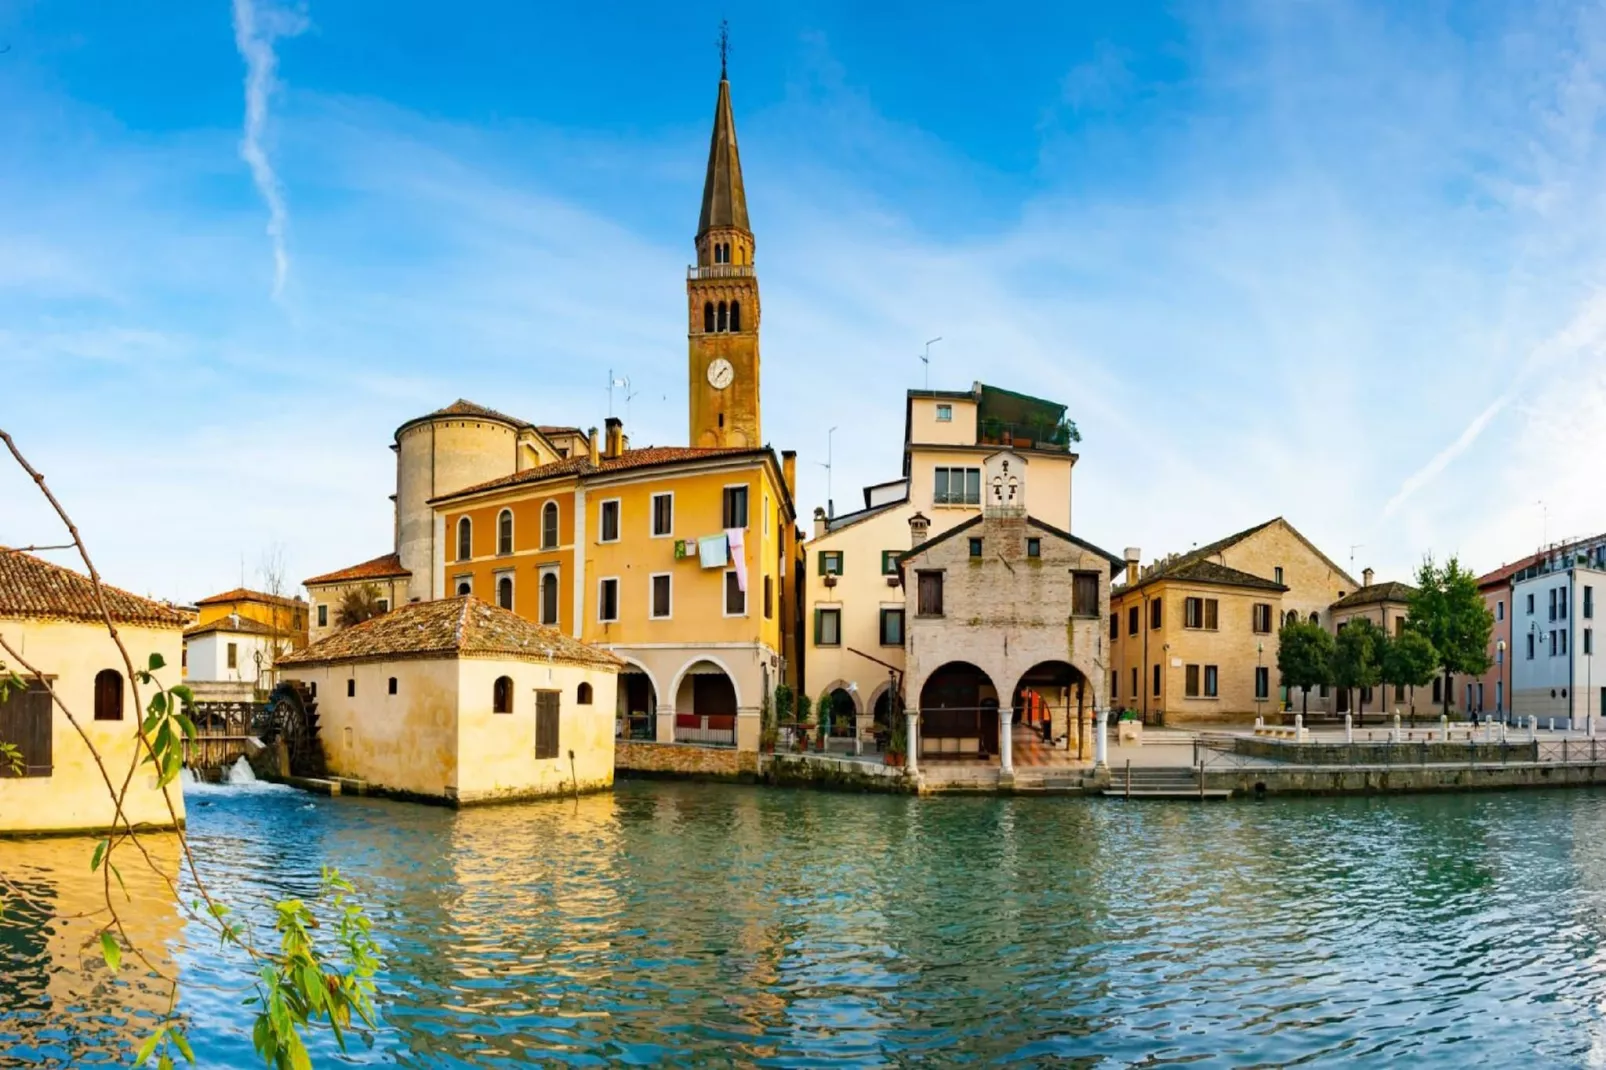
x: 724, y: 200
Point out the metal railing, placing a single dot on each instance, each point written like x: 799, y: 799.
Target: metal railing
x: 1225, y: 752
x: 706, y: 728
x: 719, y: 271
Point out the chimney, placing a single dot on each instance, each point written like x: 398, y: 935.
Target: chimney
x: 616, y: 436
x: 1366, y: 577
x: 789, y: 471
x: 918, y: 526
x: 819, y: 522
x: 1134, y: 558
x: 591, y: 436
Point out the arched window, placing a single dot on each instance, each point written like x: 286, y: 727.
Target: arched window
x: 723, y: 312
x: 1293, y: 617
x: 504, y: 592
x: 736, y: 315
x: 708, y: 317
x: 463, y: 588
x: 549, y: 598
x: 583, y: 695
x: 502, y: 695
x: 504, y: 532
x: 1314, y: 619
x: 108, y: 695
x: 465, y: 539
x: 549, y: 526
x: 727, y: 252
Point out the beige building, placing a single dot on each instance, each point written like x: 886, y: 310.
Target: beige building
x: 384, y: 574
x: 462, y: 702
x: 856, y: 610
x: 1197, y: 632
x: 49, y: 615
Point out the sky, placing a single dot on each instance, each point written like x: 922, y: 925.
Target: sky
x: 1339, y: 262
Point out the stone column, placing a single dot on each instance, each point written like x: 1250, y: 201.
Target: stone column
x: 666, y: 726
x: 862, y: 723
x: 1101, y: 741
x: 1349, y: 729
x: 1006, y: 741
x: 1444, y: 729
x: 749, y: 726
x: 911, y: 760
x: 1088, y: 741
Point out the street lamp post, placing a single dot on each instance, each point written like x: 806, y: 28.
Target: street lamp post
x: 1260, y: 651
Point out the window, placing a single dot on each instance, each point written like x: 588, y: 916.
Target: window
x: 663, y: 514
x: 1438, y: 689
x: 1115, y: 625
x: 392, y: 685
x: 708, y: 317
x: 1260, y: 618
x: 735, y: 597
x: 736, y: 315
x: 1277, y: 573
x: 464, y: 587
x: 1552, y: 594
x: 1190, y: 681
x: 957, y: 486
x: 549, y: 596
x: 889, y: 562
x: 828, y: 626
x: 27, y: 722
x: 1530, y: 646
x: 1156, y: 684
x: 1115, y: 685
x: 928, y: 600
x: 724, y: 315
x: 1500, y: 608
x: 1193, y: 612
x: 891, y: 626
x: 108, y: 695
x: 1562, y: 636
x: 504, y: 531
x: 1034, y: 547
x: 546, y: 724
x: 830, y: 562
x: 1315, y: 617
x: 1134, y: 683
x: 608, y: 599
x: 502, y: 695
x: 383, y: 604
x: 608, y: 528
x: 1262, y: 682
x: 1211, y: 679
x: 1561, y: 603
x: 465, y: 539
x: 975, y: 547
x: 769, y: 598
x: 1552, y: 642
x: 1589, y: 602
x: 504, y: 592
x: 582, y: 694
x: 1589, y: 640
x: 549, y: 526
x: 945, y: 414
x: 662, y: 606
x: 1155, y: 615
x: 735, y: 507
x: 233, y: 655
x: 1132, y: 625
x: 351, y: 688
x: 1530, y: 603
x: 323, y: 614
x: 1084, y: 594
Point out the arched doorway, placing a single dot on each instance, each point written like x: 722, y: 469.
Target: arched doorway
x: 958, y: 713
x: 839, y: 708
x: 1051, y: 701
x: 637, y: 705
x: 705, y: 705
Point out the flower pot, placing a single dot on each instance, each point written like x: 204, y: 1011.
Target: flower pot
x: 894, y: 759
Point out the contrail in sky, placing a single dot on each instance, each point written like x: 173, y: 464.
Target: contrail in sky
x: 255, y: 30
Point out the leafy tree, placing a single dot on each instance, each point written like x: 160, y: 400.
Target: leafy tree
x: 1304, y: 657
x: 1410, y: 661
x: 358, y: 604
x: 1448, y: 609
x: 1357, y: 658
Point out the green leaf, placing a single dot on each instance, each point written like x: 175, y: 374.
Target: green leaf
x: 100, y: 852
x: 156, y: 661
x: 109, y: 949
x: 186, y: 724
x: 113, y: 868
x: 183, y: 1045
x: 165, y: 1062
x: 147, y: 1049
x: 182, y: 691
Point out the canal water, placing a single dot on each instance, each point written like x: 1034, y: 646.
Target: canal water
x: 689, y: 924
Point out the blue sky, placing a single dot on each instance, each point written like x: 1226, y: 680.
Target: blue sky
x: 1340, y: 262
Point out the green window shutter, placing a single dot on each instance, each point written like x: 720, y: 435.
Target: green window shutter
x: 820, y: 566
x: 841, y: 562
x: 816, y: 625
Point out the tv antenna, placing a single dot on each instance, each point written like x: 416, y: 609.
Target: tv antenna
x: 623, y: 383
x: 925, y: 358
x: 830, y: 506
x: 1352, y: 548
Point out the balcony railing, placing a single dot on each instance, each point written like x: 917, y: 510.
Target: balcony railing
x: 719, y: 271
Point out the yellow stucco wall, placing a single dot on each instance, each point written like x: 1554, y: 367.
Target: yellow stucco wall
x: 528, y: 559
x: 924, y: 427
x: 291, y: 620
x: 1048, y: 484
x: 860, y: 592
x: 496, y: 752
x: 404, y: 742
x: 74, y: 796
x: 393, y: 589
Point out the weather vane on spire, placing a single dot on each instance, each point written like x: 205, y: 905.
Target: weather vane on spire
x: 724, y: 45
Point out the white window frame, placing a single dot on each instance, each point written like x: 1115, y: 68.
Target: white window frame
x: 557, y: 529
x: 724, y: 605
x: 652, y: 514
x: 602, y: 581
x: 457, y: 536
x: 496, y: 586
x: 384, y: 605
x: 511, y: 533
x: 651, y: 602
x: 748, y: 487
x: 945, y: 414
x: 556, y: 571
x: 458, y: 581
x: 965, y: 471
x: 323, y: 614
x: 822, y: 611
x: 619, y: 520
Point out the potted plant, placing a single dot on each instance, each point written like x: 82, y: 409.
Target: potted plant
x: 897, y: 744
x: 805, y: 712
x: 768, y: 731
x: 991, y: 428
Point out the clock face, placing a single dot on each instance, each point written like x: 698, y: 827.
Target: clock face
x: 720, y: 373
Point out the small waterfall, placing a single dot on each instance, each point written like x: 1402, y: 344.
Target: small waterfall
x: 240, y: 774
x: 186, y: 778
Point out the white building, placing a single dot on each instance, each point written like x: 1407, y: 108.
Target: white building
x: 232, y: 649
x: 1553, y: 655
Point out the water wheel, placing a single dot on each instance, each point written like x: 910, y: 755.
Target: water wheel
x: 292, y: 716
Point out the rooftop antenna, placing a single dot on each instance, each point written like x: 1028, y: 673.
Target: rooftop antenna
x: 830, y: 506
x: 925, y: 358
x: 1352, y: 548
x: 1544, y: 522
x: 623, y: 383
x: 724, y: 45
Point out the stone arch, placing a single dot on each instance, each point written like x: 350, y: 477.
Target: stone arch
x: 706, y: 703
x: 845, y: 686
x: 680, y: 675
x: 1055, y: 697
x: 636, y: 705
x: 958, y: 711
x: 880, y: 704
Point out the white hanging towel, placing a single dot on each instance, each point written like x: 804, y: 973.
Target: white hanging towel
x: 712, y: 551
x: 734, y: 536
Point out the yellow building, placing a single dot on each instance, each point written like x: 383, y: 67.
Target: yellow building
x: 50, y: 616
x: 286, y: 617
x: 384, y: 574
x: 462, y: 702
x: 1194, y: 635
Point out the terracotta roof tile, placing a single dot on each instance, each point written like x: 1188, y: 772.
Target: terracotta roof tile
x: 241, y: 625
x: 451, y: 627
x: 1198, y: 570
x: 1392, y: 591
x: 379, y: 568
x: 245, y: 594
x: 582, y: 466
x: 32, y: 587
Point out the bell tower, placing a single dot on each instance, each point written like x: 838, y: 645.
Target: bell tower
x: 722, y: 297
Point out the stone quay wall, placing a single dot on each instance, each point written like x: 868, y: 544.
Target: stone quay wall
x: 692, y: 761
x: 1387, y: 754
x: 1398, y: 780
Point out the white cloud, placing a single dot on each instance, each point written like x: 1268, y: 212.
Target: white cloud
x: 256, y: 28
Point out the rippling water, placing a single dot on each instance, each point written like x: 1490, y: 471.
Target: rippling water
x: 706, y: 925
